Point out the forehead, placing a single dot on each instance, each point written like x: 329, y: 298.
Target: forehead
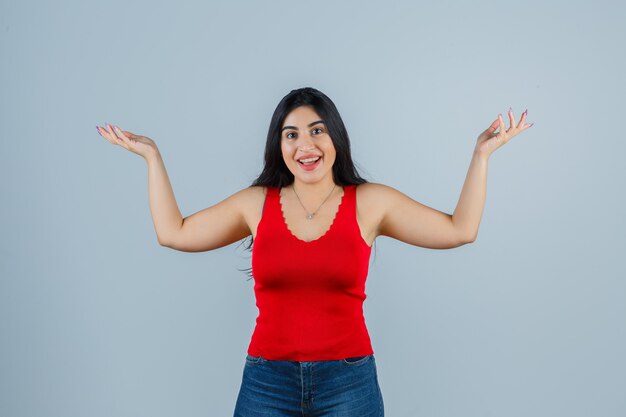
x: 301, y: 116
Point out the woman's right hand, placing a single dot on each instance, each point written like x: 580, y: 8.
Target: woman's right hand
x: 141, y: 145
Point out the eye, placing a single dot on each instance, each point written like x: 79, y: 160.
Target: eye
x: 287, y: 135
x: 318, y: 128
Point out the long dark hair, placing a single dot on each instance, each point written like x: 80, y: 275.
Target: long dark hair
x: 275, y: 173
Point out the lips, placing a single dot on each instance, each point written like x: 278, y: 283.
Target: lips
x: 307, y: 156
x: 309, y: 160
x: 310, y: 166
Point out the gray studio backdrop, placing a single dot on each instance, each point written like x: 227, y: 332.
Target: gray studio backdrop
x: 97, y: 319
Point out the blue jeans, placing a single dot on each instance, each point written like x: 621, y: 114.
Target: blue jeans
x: 336, y: 388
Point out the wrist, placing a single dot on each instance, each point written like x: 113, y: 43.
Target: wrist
x: 482, y: 156
x: 153, y: 157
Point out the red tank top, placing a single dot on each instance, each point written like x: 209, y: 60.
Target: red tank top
x: 310, y: 294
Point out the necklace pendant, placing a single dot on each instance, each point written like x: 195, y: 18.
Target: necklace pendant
x: 310, y: 216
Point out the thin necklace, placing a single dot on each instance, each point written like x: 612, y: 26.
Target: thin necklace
x: 309, y: 216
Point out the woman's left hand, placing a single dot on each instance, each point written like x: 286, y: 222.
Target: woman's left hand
x: 489, y: 140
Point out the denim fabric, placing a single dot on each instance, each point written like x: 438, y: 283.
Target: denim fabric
x: 337, y: 388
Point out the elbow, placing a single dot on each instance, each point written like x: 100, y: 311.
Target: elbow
x: 470, y: 239
x: 464, y: 235
x: 164, y: 243
x: 467, y: 239
x: 167, y: 240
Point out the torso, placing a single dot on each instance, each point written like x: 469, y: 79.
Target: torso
x: 368, y: 213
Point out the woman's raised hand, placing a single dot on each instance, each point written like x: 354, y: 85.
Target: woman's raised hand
x: 489, y: 141
x: 141, y: 145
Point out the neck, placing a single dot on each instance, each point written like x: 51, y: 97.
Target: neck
x: 313, y: 191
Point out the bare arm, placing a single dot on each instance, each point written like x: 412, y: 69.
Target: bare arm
x: 166, y: 216
x: 414, y: 223
x: 208, y: 229
x: 211, y: 228
x: 469, y: 209
x: 215, y: 226
x: 409, y: 221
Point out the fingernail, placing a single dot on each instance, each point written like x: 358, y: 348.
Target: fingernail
x: 98, y: 129
x: 510, y: 109
x: 531, y: 125
x: 526, y: 112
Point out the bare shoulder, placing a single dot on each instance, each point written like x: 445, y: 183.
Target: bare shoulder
x: 251, y: 199
x: 397, y: 215
x: 373, y: 188
x: 375, y: 194
x: 372, y: 203
x: 382, y: 197
x: 252, y: 192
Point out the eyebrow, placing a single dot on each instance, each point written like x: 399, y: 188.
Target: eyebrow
x: 310, y: 124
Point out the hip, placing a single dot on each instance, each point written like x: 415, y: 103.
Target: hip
x: 346, y: 386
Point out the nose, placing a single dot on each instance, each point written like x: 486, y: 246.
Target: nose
x: 306, y: 142
x: 306, y: 149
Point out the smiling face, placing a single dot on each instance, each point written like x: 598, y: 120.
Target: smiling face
x: 304, y: 136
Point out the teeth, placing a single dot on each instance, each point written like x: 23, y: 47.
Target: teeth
x: 309, y: 159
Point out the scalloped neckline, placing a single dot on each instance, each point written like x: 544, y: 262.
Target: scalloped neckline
x: 332, y: 224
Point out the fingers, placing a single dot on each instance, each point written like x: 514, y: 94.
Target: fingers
x: 120, y: 134
x: 492, y: 127
x: 115, y: 135
x: 501, y: 125
x: 522, y: 124
x: 121, y: 137
x: 488, y: 133
x: 496, y: 139
x: 107, y: 134
x: 110, y: 134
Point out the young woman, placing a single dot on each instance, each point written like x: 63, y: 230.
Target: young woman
x: 312, y: 220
